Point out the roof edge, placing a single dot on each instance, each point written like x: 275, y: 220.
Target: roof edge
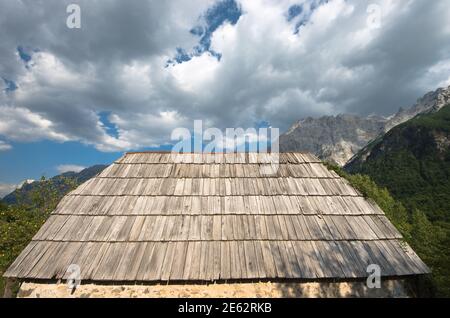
x: 213, y: 153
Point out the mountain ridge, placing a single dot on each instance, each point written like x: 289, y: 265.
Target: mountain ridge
x: 335, y: 138
x: 338, y: 139
x: 412, y: 158
x: 23, y: 193
x: 412, y: 163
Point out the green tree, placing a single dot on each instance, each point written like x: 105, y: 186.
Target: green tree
x: 429, y: 241
x: 20, y: 222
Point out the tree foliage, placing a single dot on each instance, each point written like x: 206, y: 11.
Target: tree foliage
x: 429, y: 240
x: 21, y: 221
x: 413, y: 162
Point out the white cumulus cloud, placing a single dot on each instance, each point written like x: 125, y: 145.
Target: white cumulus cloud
x: 117, y: 64
x: 4, y: 146
x: 70, y: 168
x: 6, y: 189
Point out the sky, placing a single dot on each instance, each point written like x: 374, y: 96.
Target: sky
x: 136, y: 70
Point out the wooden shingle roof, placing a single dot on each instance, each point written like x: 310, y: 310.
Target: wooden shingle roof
x: 158, y: 217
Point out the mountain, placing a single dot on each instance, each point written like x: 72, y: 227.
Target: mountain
x: 334, y: 139
x: 337, y: 139
x: 431, y: 102
x: 58, y: 183
x: 412, y: 161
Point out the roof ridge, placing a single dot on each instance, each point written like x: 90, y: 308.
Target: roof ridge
x: 212, y: 153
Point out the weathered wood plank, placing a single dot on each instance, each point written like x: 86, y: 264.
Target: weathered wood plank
x: 94, y: 254
x: 354, y: 261
x: 43, y: 264
x: 397, y: 256
x: 206, y: 228
x: 137, y: 257
x: 94, y: 271
x: 217, y: 227
x: 195, y: 228
x: 419, y: 264
x: 293, y: 264
x: 250, y: 260
x: 240, y: 253
x: 179, y: 261
x: 168, y: 261
x: 162, y: 217
x: 381, y: 257
x: 281, y: 271
x: 283, y: 227
x: 216, y: 260
x: 110, y: 262
x: 287, y: 266
x: 303, y: 253
x: 260, y: 259
x: 344, y: 228
x: 15, y: 268
x: 225, y: 261
x: 150, y: 265
x: 194, y: 267
x: 317, y: 260
x: 269, y: 262
x: 204, y: 260
x: 235, y: 264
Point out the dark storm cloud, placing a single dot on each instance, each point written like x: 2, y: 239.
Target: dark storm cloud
x: 116, y: 64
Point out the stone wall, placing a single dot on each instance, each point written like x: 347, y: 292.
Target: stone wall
x: 389, y: 288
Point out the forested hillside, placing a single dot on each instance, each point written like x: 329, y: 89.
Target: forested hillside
x: 413, y: 162
x: 25, y: 210
x: 58, y: 183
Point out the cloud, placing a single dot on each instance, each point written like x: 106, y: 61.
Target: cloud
x: 69, y: 168
x: 23, y: 125
x: 276, y: 63
x: 4, y: 146
x: 6, y: 189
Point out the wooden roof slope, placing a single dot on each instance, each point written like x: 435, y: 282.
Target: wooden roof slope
x: 154, y: 217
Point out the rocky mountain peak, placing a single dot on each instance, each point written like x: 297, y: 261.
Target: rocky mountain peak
x: 339, y: 138
x: 430, y: 102
x: 332, y: 138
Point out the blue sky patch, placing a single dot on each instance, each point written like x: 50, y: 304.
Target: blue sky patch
x: 11, y: 86
x: 46, y: 157
x: 111, y: 129
x: 226, y: 10
x: 23, y: 54
x: 262, y: 124
x: 317, y: 3
x: 301, y: 13
x: 294, y: 11
x: 182, y: 56
x: 222, y: 12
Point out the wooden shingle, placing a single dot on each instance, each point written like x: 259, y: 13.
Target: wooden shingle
x: 159, y: 217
